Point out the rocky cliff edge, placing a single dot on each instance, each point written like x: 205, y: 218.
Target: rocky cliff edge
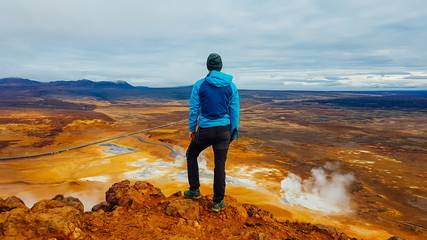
x: 141, y: 211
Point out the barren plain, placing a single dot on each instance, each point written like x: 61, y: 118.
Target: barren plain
x: 354, y: 161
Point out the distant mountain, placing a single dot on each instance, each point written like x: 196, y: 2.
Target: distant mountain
x: 26, y: 90
x: 84, y: 83
x: 23, y: 91
x: 12, y: 81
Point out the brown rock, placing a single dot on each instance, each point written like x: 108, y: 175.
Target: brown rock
x: 58, y: 202
x: 58, y: 218
x: 62, y: 223
x: 327, y: 229
x: 44, y: 205
x: 146, y: 188
x: 177, y: 194
x: 140, y: 195
x: 183, y: 208
x: 46, y: 221
x: 116, y: 193
x: 254, y: 211
x: 74, y: 202
x: 58, y: 197
x: 395, y: 238
x: 105, y: 206
x: 11, y: 203
x: 70, y: 201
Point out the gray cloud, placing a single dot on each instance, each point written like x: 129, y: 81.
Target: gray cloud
x: 417, y: 77
x: 311, y: 44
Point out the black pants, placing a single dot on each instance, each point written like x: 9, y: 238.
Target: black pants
x: 219, y: 139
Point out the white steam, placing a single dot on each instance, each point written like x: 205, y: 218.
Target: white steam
x: 322, y: 192
x: 180, y: 158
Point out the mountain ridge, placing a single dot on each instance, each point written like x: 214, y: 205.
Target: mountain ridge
x: 24, y: 90
x: 16, y: 81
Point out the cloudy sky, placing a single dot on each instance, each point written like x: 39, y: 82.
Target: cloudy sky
x: 283, y: 45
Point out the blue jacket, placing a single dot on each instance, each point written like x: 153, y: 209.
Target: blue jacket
x: 214, y: 102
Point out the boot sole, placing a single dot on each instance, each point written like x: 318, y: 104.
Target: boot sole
x: 198, y: 197
x: 217, y: 210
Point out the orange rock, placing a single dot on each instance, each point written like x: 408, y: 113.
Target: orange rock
x: 63, y: 222
x: 73, y: 202
x: 47, y: 218
x: 146, y: 188
x: 139, y: 195
x: 12, y: 223
x: 183, y: 208
x: 11, y: 203
x: 43, y: 205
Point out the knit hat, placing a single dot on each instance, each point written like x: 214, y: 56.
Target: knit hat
x: 214, y: 62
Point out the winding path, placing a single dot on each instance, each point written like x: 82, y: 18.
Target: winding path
x: 174, y: 152
x: 92, y: 143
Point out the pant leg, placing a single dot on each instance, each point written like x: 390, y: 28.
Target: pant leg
x: 220, y: 152
x: 197, y: 145
x: 219, y: 174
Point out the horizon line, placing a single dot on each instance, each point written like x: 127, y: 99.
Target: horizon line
x: 411, y: 89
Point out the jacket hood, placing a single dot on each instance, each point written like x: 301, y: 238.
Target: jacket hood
x: 219, y: 79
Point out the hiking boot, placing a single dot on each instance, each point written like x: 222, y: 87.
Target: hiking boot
x: 218, y: 206
x: 193, y: 194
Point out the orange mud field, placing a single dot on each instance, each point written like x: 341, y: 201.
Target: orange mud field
x: 375, y: 158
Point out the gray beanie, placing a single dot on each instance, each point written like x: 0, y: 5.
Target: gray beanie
x: 214, y: 62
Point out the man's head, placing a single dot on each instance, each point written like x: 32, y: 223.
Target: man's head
x: 214, y: 62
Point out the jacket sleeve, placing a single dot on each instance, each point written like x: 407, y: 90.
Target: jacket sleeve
x: 194, y: 108
x: 234, y: 112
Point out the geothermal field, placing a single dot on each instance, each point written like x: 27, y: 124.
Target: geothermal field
x: 352, y: 160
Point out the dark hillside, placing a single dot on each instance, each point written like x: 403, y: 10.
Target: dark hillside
x: 387, y: 100
x: 20, y: 90
x: 17, y: 82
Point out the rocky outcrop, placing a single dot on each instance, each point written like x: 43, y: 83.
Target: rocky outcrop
x: 139, y: 195
x: 141, y: 211
x: 11, y: 203
x: 58, y: 218
x: 58, y: 201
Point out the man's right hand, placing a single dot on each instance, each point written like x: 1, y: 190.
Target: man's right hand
x: 191, y: 135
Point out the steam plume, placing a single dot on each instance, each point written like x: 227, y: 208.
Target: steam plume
x: 319, y: 192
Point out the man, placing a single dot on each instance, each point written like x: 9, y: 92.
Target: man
x: 215, y: 108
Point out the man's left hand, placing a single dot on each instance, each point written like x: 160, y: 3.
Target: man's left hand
x: 191, y: 135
